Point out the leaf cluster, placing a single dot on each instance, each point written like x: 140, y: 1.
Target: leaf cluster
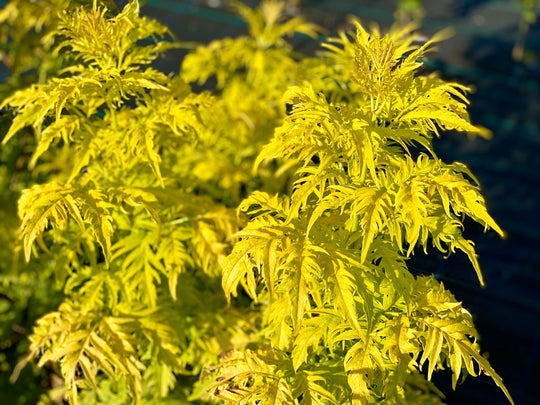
x: 27, y: 42
x: 329, y: 259
x: 251, y: 73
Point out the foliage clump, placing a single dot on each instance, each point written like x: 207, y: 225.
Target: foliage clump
x: 306, y: 182
x: 329, y: 260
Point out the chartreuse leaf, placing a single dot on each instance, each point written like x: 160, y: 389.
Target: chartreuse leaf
x: 140, y: 264
x: 464, y: 197
x: 176, y: 258
x: 360, y: 363
x: 313, y: 331
x: 462, y: 353
x: 310, y: 386
x: 344, y: 289
x: 258, y: 246
x: 447, y: 331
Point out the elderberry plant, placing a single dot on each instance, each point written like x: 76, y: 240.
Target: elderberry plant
x: 141, y: 202
x: 344, y: 320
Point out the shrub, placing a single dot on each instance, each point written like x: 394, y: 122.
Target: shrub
x: 131, y: 197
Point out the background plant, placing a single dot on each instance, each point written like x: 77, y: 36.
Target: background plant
x: 409, y: 10
x: 529, y: 16
x: 249, y: 75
